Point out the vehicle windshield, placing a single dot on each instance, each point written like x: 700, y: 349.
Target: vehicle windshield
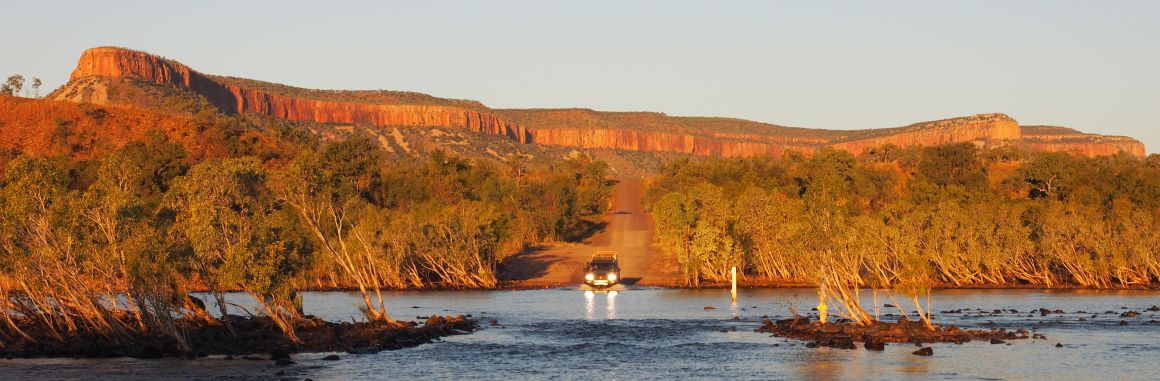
x: 603, y: 266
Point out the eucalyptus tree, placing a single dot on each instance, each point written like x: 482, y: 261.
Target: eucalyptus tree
x: 329, y: 192
x: 13, y: 85
x: 240, y: 236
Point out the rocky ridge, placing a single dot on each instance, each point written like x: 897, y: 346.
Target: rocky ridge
x: 579, y: 128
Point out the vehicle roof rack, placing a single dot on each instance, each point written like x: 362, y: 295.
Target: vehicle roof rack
x: 604, y: 256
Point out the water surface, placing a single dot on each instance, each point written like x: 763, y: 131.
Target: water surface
x: 648, y: 333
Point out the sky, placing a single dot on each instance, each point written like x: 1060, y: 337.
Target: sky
x: 1089, y: 65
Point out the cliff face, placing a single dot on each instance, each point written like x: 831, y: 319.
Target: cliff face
x: 633, y: 140
x: 987, y: 129
x: 640, y: 131
x: 1060, y: 139
x: 123, y: 63
x: 372, y: 114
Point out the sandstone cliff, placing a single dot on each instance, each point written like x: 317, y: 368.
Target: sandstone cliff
x: 986, y: 129
x: 634, y: 140
x: 1061, y: 139
x: 581, y: 128
x: 124, y: 63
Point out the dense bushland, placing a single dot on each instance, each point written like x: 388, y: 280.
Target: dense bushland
x: 113, y: 243
x: 910, y: 219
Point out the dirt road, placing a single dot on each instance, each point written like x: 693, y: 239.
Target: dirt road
x: 628, y: 232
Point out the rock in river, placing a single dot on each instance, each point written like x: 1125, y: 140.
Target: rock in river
x: 875, y: 344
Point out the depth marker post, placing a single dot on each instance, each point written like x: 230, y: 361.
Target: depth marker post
x: 733, y: 291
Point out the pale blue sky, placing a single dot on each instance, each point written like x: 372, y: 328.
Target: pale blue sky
x: 1090, y: 65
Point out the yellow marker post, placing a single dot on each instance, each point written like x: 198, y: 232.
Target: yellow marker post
x: 822, y: 311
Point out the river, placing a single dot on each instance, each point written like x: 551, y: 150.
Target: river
x: 665, y: 334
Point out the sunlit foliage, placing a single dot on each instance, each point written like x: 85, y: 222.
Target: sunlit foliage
x: 912, y: 219
x: 114, y: 241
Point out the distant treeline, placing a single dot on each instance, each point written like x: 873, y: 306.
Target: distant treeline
x: 114, y: 244
x: 950, y: 215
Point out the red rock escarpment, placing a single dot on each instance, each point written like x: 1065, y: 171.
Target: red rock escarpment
x: 124, y: 63
x: 633, y: 140
x: 580, y: 128
x: 985, y: 129
x: 1061, y: 139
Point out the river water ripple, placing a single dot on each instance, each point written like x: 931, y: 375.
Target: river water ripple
x: 646, y: 333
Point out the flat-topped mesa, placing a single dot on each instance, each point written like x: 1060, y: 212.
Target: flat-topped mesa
x: 1062, y: 139
x: 982, y: 129
x: 100, y: 69
x: 233, y: 99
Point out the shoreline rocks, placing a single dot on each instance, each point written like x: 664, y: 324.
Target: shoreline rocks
x: 874, y: 336
x: 254, y: 335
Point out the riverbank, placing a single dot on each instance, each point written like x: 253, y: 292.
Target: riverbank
x: 520, y: 285
x: 527, y: 285
x: 251, y: 338
x: 761, y: 283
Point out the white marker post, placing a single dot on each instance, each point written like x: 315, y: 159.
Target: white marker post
x: 733, y: 291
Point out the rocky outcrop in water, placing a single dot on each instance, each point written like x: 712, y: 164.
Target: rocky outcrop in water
x: 875, y: 335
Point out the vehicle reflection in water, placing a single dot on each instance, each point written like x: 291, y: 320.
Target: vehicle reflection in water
x: 612, y: 305
x: 590, y: 304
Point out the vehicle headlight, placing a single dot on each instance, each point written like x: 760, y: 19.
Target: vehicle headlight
x: 590, y: 276
x: 611, y: 277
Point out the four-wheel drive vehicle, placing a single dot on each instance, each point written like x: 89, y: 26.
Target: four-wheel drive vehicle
x: 603, y: 270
